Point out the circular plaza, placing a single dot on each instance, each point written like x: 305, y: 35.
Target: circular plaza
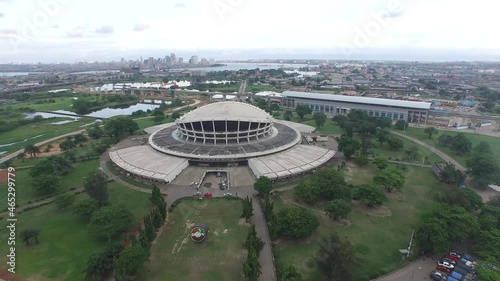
x: 223, y: 134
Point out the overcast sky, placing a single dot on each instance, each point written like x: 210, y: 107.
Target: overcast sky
x: 74, y: 30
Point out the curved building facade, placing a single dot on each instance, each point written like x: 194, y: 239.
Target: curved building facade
x: 225, y: 123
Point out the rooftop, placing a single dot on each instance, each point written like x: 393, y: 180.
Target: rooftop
x: 362, y: 100
x: 227, y: 110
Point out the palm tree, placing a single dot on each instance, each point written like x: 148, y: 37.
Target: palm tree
x: 32, y: 150
x: 21, y: 156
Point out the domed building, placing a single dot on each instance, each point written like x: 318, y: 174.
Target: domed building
x: 223, y: 134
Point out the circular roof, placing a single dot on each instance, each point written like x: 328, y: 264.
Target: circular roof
x: 227, y: 110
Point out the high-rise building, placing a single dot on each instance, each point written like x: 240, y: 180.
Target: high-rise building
x: 181, y: 60
x: 204, y: 62
x: 174, y: 58
x: 193, y: 60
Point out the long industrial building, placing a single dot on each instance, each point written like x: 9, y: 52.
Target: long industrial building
x: 411, y: 111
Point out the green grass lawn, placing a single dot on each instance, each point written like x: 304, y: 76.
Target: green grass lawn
x: 384, y: 152
x: 175, y: 257
x: 35, y: 133
x: 376, y: 238
x: 419, y: 134
x: 329, y: 128
x: 62, y: 103
x: 65, y: 244
x: 149, y: 122
x: 24, y: 191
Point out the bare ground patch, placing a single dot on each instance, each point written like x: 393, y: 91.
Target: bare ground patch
x: 381, y: 211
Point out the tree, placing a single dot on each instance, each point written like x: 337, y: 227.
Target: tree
x: 60, y: 165
x: 390, y: 179
x: 474, y: 200
x: 483, y: 166
x: 156, y: 218
x: 95, y: 131
x: 302, y: 110
x: 247, y: 209
x: 395, y: 143
x: 485, y: 274
x: 338, y: 258
x: 149, y: 229
x: 64, y: 201
x: 338, y: 209
x: 158, y: 200
x: 327, y: 184
x: 44, y: 167
x: 381, y: 136
x: 401, y: 125
x: 130, y: 262
x: 431, y: 131
x: 263, y: 186
x: 461, y: 144
x: 289, y: 273
x: 176, y: 115
x: 158, y: 119
x: 412, y: 153
x: 251, y: 267
x: 449, y: 174
x: 370, y: 195
x: 96, y: 186
x: 32, y: 150
x: 288, y: 115
x: 79, y: 139
x: 118, y: 127
x: 21, y: 156
x: 444, y: 225
x: 381, y: 163
x: 29, y: 234
x: 45, y: 184
x: 349, y: 146
x: 100, y: 265
x: 253, y: 242
x: 319, y: 119
x: 445, y: 140
x: 108, y: 221
x: 66, y: 145
x: 85, y: 208
x: 296, y: 223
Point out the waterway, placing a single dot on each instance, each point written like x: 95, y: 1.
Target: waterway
x: 228, y: 66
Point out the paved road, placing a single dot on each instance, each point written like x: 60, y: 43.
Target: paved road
x: 417, y: 271
x: 266, y: 258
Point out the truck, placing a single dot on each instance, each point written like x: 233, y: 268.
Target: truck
x: 456, y: 275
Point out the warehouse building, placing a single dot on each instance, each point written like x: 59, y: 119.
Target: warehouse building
x: 331, y: 105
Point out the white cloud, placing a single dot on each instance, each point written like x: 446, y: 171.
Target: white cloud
x: 140, y: 27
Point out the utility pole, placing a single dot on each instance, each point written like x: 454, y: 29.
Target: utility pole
x: 409, y: 246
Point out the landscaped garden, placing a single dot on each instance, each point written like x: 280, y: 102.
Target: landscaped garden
x: 376, y: 233
x: 64, y: 243
x: 174, y: 257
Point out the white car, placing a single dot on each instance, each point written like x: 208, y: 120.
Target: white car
x: 446, y: 264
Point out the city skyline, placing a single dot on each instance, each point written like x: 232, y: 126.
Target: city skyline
x: 69, y: 30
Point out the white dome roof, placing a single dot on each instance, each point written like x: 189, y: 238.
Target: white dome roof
x: 227, y: 110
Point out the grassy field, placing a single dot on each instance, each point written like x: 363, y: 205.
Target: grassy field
x: 149, y: 122
x: 35, y: 133
x: 328, y: 128
x: 24, y: 191
x: 62, y: 103
x: 65, y: 244
x: 377, y: 234
x: 419, y: 134
x: 174, y: 257
x: 384, y: 152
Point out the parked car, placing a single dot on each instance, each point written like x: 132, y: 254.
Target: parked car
x: 455, y: 254
x: 466, y: 268
x: 449, y: 261
x: 445, y: 264
x: 443, y: 269
x: 453, y: 258
x: 438, y: 276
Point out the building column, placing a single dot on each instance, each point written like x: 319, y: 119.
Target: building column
x: 215, y: 135
x: 203, y: 132
x: 225, y: 123
x: 238, y: 132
